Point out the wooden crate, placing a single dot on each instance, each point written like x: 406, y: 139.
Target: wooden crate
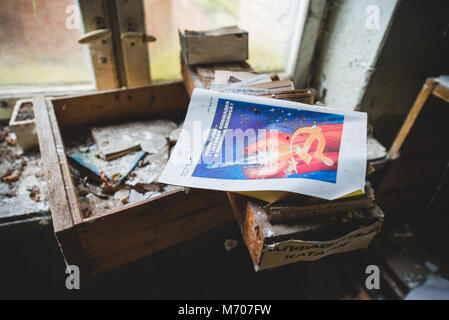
x: 273, y: 245
x: 228, y: 44
x: 117, y: 237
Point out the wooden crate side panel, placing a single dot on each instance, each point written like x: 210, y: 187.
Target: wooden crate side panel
x: 69, y: 186
x: 78, y: 113
x: 238, y: 204
x: 143, y: 214
x: 251, y: 231
x: 53, y: 159
x: 441, y: 92
x: 254, y: 234
x: 73, y: 251
x: 110, y: 251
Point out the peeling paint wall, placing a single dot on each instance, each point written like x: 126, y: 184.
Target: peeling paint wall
x: 347, y: 52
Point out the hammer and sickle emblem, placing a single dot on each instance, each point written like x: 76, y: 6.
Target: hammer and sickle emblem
x: 303, y: 153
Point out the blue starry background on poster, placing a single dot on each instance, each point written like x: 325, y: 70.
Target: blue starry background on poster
x: 233, y: 115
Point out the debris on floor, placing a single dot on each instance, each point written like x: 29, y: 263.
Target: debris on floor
x: 230, y: 244
x: 26, y: 112
x: 35, y: 193
x: 174, y: 135
x: 10, y: 140
x: 117, y: 140
x: 119, y: 164
x: 23, y: 189
x: 114, y: 170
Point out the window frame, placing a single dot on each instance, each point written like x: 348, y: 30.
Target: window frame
x: 121, y: 69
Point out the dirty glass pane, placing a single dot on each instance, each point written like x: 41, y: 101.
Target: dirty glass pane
x: 38, y: 43
x: 270, y: 25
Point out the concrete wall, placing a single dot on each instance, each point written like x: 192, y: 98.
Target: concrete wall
x: 348, y: 49
x: 380, y: 70
x: 417, y: 47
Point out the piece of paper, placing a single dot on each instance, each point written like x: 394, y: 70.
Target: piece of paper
x: 233, y: 142
x: 292, y: 251
x: 222, y: 76
x: 258, y: 79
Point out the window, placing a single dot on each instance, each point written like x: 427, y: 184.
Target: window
x: 39, y: 46
x: 274, y: 29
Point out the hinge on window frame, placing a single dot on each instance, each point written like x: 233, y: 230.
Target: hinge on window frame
x: 115, y: 33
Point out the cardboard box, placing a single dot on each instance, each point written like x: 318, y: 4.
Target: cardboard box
x: 273, y: 245
x: 228, y: 44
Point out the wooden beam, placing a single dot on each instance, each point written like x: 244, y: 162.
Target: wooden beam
x: 57, y: 193
x: 131, y: 18
x: 424, y: 94
x: 95, y: 16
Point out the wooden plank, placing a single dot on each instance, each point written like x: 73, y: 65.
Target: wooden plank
x: 73, y: 251
x: 279, y: 84
x: 441, y: 92
x: 251, y: 232
x: 426, y: 91
x: 159, y: 209
x: 105, y: 239
x: 62, y: 160
x: 295, y: 210
x: 136, y: 61
x: 95, y: 16
x: 64, y: 208
x: 61, y: 211
x: 77, y: 113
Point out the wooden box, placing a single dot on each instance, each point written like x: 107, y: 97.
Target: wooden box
x: 228, y: 44
x: 119, y: 236
x: 25, y: 130
x: 273, y: 245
